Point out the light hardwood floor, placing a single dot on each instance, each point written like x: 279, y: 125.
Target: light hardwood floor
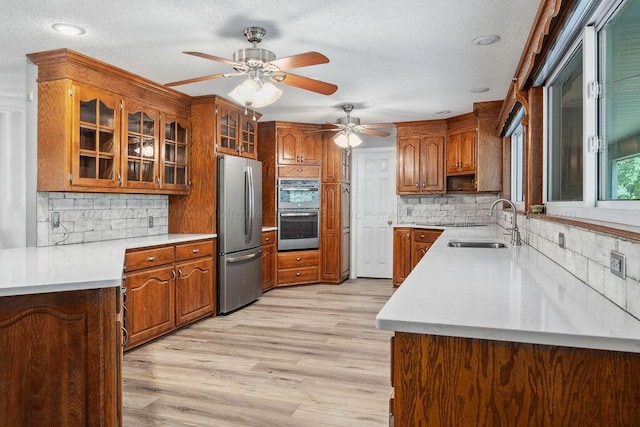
x: 299, y: 356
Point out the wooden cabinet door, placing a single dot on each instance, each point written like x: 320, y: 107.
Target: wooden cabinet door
x: 310, y: 148
x: 418, y: 249
x: 401, y: 254
x: 194, y: 290
x: 467, y: 152
x: 174, y: 153
x: 287, y: 141
x: 140, y: 146
x: 150, y: 304
x: 345, y: 251
x: 432, y: 165
x: 408, y: 165
x: 453, y: 153
x: 96, y: 151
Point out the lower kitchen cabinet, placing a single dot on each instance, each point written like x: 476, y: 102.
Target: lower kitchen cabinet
x: 167, y: 287
x: 60, y: 359
x: 409, y: 246
x: 268, y: 259
x: 401, y: 255
x: 298, y: 267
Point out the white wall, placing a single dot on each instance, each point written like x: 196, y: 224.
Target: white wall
x: 12, y: 179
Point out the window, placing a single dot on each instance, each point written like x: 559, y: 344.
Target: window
x: 517, y: 165
x: 592, y: 115
x: 619, y: 162
x: 566, y: 136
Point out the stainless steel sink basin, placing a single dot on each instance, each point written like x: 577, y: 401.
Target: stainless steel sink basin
x: 476, y: 244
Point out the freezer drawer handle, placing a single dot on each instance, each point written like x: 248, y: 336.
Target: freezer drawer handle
x: 244, y: 257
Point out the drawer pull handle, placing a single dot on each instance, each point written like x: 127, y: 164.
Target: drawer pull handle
x: 298, y: 259
x: 151, y: 258
x: 298, y: 274
x: 422, y: 236
x: 195, y: 251
x: 267, y: 239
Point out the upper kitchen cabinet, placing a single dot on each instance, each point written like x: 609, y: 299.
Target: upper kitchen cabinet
x: 299, y: 145
x: 420, y: 157
x: 489, y: 147
x: 235, y: 129
x: 175, y: 160
x: 99, y: 127
x: 461, y: 145
x: 217, y: 127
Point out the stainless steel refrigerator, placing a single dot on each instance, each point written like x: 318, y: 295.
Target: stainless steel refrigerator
x: 239, y: 232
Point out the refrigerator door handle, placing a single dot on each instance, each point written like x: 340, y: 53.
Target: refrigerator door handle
x: 247, y: 197
x: 251, y: 202
x: 243, y: 257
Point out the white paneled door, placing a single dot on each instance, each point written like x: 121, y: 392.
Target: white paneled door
x: 374, y: 211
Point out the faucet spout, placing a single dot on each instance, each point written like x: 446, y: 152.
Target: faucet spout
x: 515, y: 233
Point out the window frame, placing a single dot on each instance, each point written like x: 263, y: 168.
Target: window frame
x: 517, y: 128
x: 591, y: 207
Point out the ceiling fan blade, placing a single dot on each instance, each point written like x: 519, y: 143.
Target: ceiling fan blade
x: 195, y: 79
x: 379, y: 125
x: 300, y: 60
x: 308, y: 84
x: 212, y: 58
x: 375, y: 132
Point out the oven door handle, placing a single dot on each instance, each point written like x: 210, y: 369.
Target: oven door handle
x: 299, y: 188
x: 299, y: 214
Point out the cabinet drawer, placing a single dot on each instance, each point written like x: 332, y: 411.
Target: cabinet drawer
x: 298, y: 259
x: 425, y: 236
x: 299, y: 171
x: 136, y: 260
x: 298, y: 275
x: 268, y: 238
x: 194, y: 250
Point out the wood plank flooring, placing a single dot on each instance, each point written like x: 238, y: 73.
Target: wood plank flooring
x: 299, y: 356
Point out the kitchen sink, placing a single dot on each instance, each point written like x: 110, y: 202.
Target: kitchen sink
x: 475, y: 244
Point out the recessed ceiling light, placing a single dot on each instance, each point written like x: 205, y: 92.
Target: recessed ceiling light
x: 443, y: 112
x: 68, y: 29
x: 485, y: 40
x: 479, y: 89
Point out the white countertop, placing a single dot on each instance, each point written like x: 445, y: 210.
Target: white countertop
x: 95, y: 265
x: 514, y: 294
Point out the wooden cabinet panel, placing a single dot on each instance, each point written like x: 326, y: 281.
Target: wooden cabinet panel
x: 297, y: 276
x: 310, y: 148
x: 408, y: 165
x: 287, y: 146
x: 297, y: 259
x: 150, y: 304
x: 515, y: 384
x: 401, y: 254
x: 345, y: 251
x: 59, y: 357
x: 432, y: 165
x: 148, y: 257
x: 298, y: 171
x: 268, y: 259
x: 194, y: 293
x: 194, y: 250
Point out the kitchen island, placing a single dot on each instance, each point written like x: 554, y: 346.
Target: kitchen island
x: 60, y: 331
x: 487, y: 336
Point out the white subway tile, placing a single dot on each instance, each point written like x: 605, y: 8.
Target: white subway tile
x: 633, y: 297
x: 604, y: 246
x: 595, y: 275
x: 615, y: 289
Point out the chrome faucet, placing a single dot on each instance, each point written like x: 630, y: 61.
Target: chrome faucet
x: 515, y: 233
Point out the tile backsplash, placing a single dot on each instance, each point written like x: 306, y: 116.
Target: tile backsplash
x: 446, y: 209
x: 91, y: 217
x: 586, y: 256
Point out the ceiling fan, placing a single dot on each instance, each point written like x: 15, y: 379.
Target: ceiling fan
x: 349, y: 126
x: 261, y: 68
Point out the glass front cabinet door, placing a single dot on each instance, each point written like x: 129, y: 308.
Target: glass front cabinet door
x: 95, y: 158
x: 141, y: 146
x: 175, y: 174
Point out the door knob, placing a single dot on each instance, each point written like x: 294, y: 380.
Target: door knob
x: 389, y: 222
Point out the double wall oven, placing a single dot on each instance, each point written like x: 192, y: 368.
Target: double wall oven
x: 298, y: 214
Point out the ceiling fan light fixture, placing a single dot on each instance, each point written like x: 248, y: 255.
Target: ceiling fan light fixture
x: 347, y: 139
x: 255, y: 93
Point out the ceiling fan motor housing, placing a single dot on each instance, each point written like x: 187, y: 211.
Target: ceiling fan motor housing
x: 355, y: 121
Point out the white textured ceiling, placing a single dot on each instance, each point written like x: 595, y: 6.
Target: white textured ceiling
x: 395, y: 60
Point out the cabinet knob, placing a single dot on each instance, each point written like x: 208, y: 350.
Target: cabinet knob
x: 417, y: 185
x: 422, y: 236
x: 267, y: 238
x: 298, y: 274
x: 151, y: 258
x: 298, y: 259
x: 195, y: 251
